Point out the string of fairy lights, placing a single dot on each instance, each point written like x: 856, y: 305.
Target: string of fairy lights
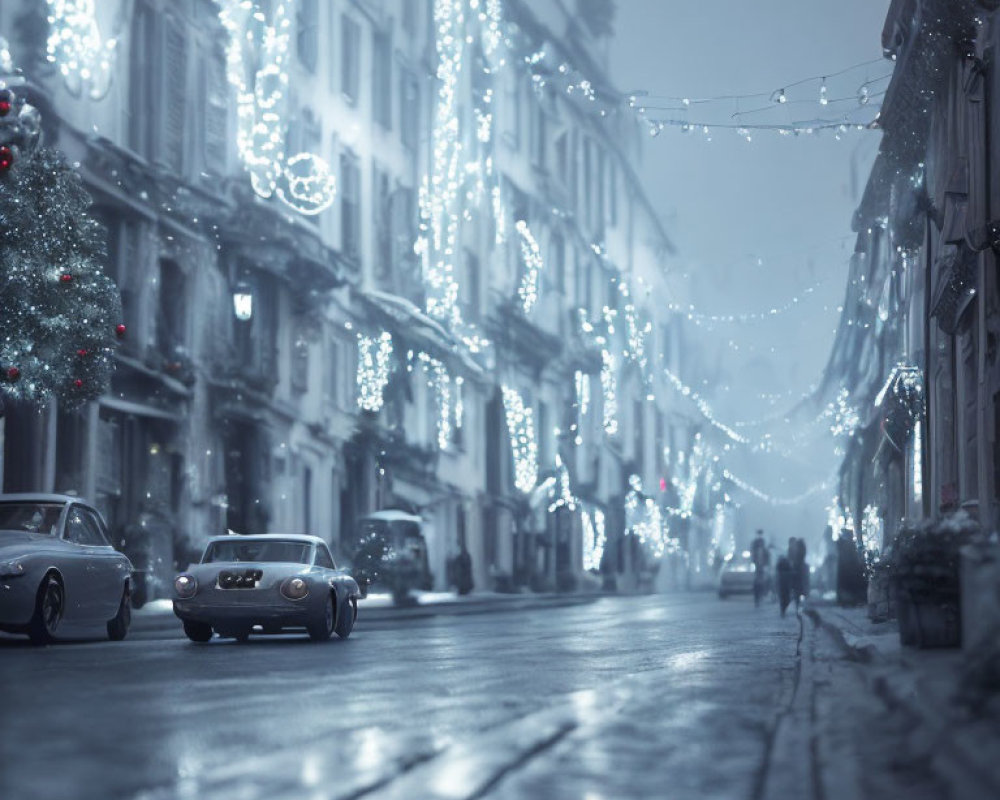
x: 257, y: 69
x: 463, y: 184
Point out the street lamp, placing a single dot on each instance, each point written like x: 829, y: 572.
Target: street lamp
x: 243, y: 302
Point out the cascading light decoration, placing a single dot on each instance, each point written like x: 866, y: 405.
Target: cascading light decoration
x: 523, y: 443
x: 531, y: 258
x: 643, y: 517
x: 594, y: 539
x: 85, y: 59
x: 565, y: 498
x: 463, y: 182
x: 256, y: 58
x: 871, y: 528
x: 440, y: 380
x: 374, y: 368
x: 609, y: 386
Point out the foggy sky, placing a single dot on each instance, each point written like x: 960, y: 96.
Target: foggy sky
x: 786, y: 201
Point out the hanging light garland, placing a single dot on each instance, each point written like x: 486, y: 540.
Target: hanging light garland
x: 75, y: 45
x: 772, y: 499
x: 645, y: 520
x: 594, y: 539
x: 531, y: 259
x: 523, y: 443
x: 374, y: 368
x: 441, y: 382
x: 256, y: 60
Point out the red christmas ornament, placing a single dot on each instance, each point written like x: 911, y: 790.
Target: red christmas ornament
x: 81, y: 352
x: 78, y: 383
x: 66, y: 277
x: 120, y: 330
x: 6, y: 158
x: 6, y: 102
x: 13, y: 373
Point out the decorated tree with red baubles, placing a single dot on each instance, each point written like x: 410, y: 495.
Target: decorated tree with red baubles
x: 60, y: 315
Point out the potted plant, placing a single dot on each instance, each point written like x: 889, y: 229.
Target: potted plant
x: 924, y: 570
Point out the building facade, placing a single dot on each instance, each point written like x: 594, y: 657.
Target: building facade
x: 470, y: 331
x: 917, y: 341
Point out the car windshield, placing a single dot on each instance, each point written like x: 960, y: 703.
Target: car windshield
x: 30, y: 517
x: 240, y: 549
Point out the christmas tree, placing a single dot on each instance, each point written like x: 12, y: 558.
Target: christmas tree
x: 59, y: 313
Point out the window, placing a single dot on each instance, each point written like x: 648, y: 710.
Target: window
x: 350, y: 206
x: 83, y: 528
x: 307, y: 42
x: 300, y: 365
x: 382, y: 80
x: 350, y: 58
x: 583, y: 297
x: 469, y: 286
x: 215, y: 102
x: 382, y: 217
x: 171, y: 322
x: 557, y: 263
x: 409, y: 15
x: 158, y: 89
x: 409, y: 108
x: 323, y: 557
x: 612, y: 194
x: 538, y: 135
x: 544, y: 434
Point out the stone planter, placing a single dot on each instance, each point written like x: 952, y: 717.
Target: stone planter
x: 929, y: 617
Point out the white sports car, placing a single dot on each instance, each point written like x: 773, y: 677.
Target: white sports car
x: 268, y: 583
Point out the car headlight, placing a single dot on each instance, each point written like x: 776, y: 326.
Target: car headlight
x: 11, y: 569
x: 295, y: 588
x: 185, y: 585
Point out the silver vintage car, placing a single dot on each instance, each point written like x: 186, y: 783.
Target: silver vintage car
x: 59, y: 575
x: 267, y: 583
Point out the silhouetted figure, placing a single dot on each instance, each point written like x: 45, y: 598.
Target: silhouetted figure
x: 784, y: 574
x: 761, y: 558
x: 799, y: 569
x: 852, y: 586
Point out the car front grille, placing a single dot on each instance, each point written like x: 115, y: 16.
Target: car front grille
x: 240, y: 579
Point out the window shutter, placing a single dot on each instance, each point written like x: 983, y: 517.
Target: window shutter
x: 174, y: 96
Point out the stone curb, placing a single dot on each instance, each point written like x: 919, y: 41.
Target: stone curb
x: 165, y: 619
x: 854, y: 650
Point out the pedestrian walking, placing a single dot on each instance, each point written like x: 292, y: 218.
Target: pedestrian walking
x: 761, y: 558
x: 784, y: 571
x: 799, y: 576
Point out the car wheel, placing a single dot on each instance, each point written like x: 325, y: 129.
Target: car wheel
x: 197, y: 631
x: 321, y: 628
x: 50, y: 603
x: 118, y: 627
x: 346, y: 619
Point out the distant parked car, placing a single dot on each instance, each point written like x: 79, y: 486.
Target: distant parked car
x: 737, y: 575
x: 274, y: 582
x: 59, y: 575
x: 391, y: 551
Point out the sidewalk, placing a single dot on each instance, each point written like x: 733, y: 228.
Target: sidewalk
x: 159, y: 614
x: 960, y: 743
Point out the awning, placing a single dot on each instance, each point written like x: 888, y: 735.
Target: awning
x: 402, y: 318
x: 956, y: 283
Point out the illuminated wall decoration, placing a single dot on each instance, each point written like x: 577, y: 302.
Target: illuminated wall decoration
x: 85, y: 59
x: 531, y: 259
x: 374, y: 368
x: 256, y: 60
x: 523, y: 443
x: 594, y: 538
